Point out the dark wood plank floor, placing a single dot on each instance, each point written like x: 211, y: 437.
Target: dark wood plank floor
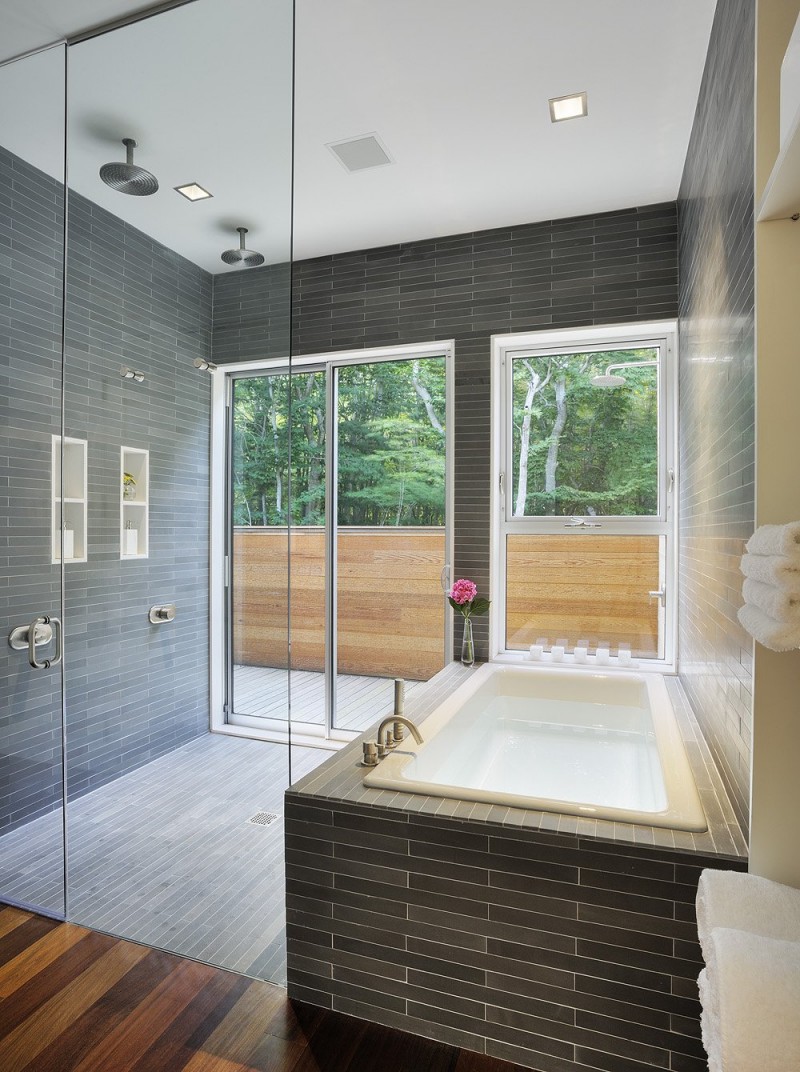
x: 75, y: 1000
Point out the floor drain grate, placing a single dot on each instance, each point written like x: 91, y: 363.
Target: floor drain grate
x: 262, y: 818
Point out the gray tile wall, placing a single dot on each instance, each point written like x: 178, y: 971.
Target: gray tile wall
x: 615, y: 267
x: 558, y: 952
x: 136, y: 690
x: 717, y: 395
x: 31, y: 277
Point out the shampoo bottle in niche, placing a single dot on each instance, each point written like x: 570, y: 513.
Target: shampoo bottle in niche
x: 130, y: 537
x: 69, y: 543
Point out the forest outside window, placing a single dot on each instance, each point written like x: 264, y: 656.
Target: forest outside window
x: 584, y: 490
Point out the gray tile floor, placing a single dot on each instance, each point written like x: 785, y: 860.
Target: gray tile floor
x: 165, y: 855
x: 262, y: 691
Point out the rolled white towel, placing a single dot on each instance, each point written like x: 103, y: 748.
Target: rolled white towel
x: 780, y: 570
x: 745, y: 902
x: 777, y: 636
x: 752, y: 986
x: 775, y: 602
x: 775, y: 540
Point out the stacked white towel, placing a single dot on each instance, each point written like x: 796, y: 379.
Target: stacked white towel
x: 750, y: 992
x: 749, y: 930
x: 745, y: 902
x: 771, y: 590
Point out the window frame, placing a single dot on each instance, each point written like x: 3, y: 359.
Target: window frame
x: 627, y: 336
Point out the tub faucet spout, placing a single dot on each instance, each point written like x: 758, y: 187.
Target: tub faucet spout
x: 388, y: 741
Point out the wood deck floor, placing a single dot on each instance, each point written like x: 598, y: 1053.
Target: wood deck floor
x: 262, y: 692
x: 73, y: 1000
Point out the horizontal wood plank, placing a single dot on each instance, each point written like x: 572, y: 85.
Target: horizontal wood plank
x: 106, y: 1005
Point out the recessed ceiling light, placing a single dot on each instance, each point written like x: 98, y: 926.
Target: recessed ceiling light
x: 192, y: 191
x: 572, y: 106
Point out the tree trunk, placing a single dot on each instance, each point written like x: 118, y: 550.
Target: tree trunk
x: 426, y: 399
x: 535, y: 385
x: 555, y: 436
x: 273, y: 420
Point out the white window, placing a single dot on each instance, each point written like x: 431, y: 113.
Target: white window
x: 584, y: 492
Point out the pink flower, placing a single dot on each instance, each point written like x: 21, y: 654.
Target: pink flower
x: 463, y: 591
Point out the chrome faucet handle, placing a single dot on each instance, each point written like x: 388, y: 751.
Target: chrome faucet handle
x: 370, y: 754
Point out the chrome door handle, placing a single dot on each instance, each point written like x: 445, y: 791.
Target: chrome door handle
x: 660, y: 595
x: 40, y: 632
x: 45, y: 664
x: 59, y: 631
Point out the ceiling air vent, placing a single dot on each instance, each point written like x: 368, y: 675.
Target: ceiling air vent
x: 358, y: 154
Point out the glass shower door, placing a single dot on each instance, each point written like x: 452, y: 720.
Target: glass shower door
x: 38, y: 526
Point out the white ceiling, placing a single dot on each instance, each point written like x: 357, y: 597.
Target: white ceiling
x: 456, y: 89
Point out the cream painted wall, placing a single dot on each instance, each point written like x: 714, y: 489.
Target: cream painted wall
x: 775, y: 787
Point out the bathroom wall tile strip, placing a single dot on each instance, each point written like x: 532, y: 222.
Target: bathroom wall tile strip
x: 555, y: 942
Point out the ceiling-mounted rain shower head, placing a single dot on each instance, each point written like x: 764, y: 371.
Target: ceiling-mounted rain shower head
x: 244, y: 258
x: 607, y: 381
x: 129, y: 178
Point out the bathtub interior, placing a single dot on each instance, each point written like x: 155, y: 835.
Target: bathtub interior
x: 555, y: 740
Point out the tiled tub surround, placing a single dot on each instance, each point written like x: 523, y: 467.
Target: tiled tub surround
x: 560, y: 943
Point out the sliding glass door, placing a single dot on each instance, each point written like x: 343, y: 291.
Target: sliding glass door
x: 340, y: 528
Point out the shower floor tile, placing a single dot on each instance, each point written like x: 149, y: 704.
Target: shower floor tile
x: 165, y: 855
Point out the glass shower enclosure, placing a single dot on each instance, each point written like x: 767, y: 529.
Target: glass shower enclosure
x: 135, y: 164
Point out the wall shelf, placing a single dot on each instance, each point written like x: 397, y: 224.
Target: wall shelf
x: 69, y: 499
x: 134, y: 498
x: 781, y: 197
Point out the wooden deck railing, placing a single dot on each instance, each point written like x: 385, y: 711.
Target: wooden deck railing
x: 391, y: 607
x: 583, y: 586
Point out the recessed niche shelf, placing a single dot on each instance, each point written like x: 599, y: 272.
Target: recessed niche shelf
x: 134, y: 509
x: 69, y: 512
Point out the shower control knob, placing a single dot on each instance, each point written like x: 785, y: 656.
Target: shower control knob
x: 165, y: 613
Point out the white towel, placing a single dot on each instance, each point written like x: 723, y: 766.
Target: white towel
x: 752, y: 991
x: 775, y: 540
x: 745, y: 902
x: 777, y: 636
x: 775, y: 602
x: 780, y: 570
x: 775, y: 569
x: 709, y: 1023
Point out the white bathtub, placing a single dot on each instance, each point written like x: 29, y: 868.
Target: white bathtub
x: 604, y: 746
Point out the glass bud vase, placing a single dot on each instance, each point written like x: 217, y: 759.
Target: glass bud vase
x: 467, y: 644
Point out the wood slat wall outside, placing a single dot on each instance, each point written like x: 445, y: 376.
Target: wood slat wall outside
x: 583, y: 587
x: 391, y: 606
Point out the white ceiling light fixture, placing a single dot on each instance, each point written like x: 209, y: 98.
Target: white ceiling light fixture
x: 358, y: 154
x: 572, y: 106
x: 193, y: 191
